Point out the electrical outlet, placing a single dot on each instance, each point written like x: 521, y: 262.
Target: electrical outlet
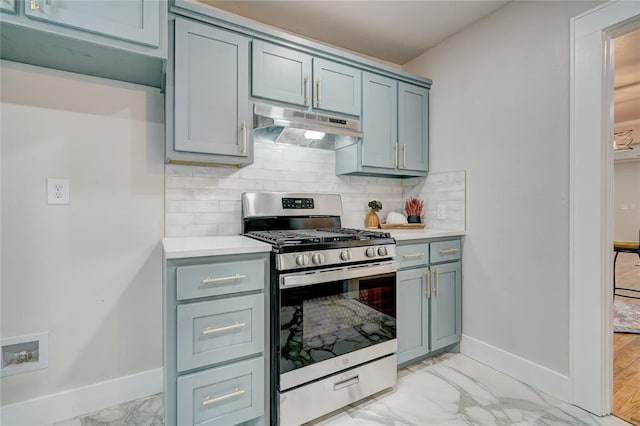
x: 57, y: 191
x: 24, y: 353
x: 441, y: 212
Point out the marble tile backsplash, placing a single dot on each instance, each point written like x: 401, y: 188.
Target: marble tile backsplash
x: 205, y: 201
x: 440, y: 191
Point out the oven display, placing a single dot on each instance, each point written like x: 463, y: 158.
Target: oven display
x: 297, y: 203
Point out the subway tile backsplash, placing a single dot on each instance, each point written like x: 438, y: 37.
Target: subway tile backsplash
x: 205, y: 201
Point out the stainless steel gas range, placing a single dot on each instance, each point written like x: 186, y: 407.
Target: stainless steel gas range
x: 333, y: 310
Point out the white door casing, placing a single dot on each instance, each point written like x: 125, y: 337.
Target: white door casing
x: 591, y: 192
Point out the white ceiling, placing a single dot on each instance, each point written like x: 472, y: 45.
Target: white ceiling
x: 394, y: 31
x: 627, y: 79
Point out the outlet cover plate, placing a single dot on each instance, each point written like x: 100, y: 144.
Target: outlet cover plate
x: 57, y: 191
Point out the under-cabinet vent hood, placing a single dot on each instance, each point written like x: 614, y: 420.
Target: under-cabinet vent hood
x: 303, y: 128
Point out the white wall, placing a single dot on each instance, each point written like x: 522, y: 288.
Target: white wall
x: 500, y: 110
x: 626, y: 200
x: 89, y: 273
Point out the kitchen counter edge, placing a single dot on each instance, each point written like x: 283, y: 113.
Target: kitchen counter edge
x: 184, y: 247
x: 422, y: 234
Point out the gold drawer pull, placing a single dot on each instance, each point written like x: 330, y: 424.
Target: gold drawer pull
x: 437, y: 283
x: 212, y: 400
x: 448, y: 251
x: 210, y: 280
x: 210, y: 330
x: 409, y: 256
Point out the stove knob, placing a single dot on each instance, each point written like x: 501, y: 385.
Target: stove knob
x: 317, y: 258
x: 302, y: 259
x: 345, y: 255
x: 370, y: 252
x: 382, y: 251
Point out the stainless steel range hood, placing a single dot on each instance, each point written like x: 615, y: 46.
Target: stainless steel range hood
x: 303, y: 128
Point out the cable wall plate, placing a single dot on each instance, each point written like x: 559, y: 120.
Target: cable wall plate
x: 24, y: 353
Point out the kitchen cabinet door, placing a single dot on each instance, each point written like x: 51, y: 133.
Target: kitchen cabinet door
x: 132, y: 20
x: 446, y: 304
x: 379, y: 121
x: 337, y: 88
x: 412, y: 314
x: 413, y: 127
x: 8, y: 6
x: 212, y: 113
x: 280, y: 74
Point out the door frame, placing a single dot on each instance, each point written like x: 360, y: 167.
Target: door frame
x: 591, y: 201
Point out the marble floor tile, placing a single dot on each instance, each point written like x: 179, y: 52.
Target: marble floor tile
x: 450, y: 389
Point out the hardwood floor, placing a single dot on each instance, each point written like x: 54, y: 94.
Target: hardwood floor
x: 626, y: 349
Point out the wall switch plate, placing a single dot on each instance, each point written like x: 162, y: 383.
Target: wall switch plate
x: 441, y: 212
x: 57, y: 191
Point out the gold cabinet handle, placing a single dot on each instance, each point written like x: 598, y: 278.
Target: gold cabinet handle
x: 212, y: 400
x: 243, y: 128
x: 210, y: 280
x: 404, y: 155
x: 428, y: 291
x: 33, y: 4
x: 317, y: 93
x: 448, y: 251
x: 207, y: 331
x: 437, y: 283
x: 409, y: 256
x: 395, y: 154
x: 306, y: 91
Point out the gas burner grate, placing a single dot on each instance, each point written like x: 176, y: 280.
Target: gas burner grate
x: 311, y: 236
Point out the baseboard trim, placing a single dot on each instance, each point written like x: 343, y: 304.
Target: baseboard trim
x: 535, y: 375
x: 80, y: 401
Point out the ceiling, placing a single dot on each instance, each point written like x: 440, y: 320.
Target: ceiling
x: 394, y: 31
x: 627, y: 79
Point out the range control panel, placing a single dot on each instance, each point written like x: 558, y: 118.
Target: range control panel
x: 297, y: 203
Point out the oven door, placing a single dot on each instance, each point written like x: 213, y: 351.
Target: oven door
x: 333, y: 319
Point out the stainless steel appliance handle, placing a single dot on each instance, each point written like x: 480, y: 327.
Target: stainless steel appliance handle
x: 336, y: 274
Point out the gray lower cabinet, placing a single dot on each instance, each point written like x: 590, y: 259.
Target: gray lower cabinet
x: 429, y: 297
x: 395, y: 127
x: 210, y: 93
x: 215, y: 339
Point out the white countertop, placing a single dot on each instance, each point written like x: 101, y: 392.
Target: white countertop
x: 176, y: 248
x: 421, y: 234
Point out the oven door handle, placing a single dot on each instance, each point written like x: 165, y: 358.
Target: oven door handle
x: 318, y: 277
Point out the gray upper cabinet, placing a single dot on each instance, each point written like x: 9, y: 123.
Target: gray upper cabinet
x: 380, y: 121
x: 395, y: 127
x: 413, y: 127
x: 8, y: 6
x: 287, y: 75
x: 132, y: 20
x: 211, y: 90
x: 280, y: 74
x: 337, y: 88
x: 117, y: 40
x: 446, y: 315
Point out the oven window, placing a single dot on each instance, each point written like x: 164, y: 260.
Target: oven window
x: 322, y: 321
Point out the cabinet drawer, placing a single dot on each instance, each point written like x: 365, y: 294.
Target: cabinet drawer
x: 219, y: 330
x: 222, y: 396
x: 216, y: 279
x: 412, y: 255
x: 445, y: 251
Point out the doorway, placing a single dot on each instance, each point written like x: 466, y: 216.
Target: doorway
x: 626, y: 227
x: 591, y: 201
